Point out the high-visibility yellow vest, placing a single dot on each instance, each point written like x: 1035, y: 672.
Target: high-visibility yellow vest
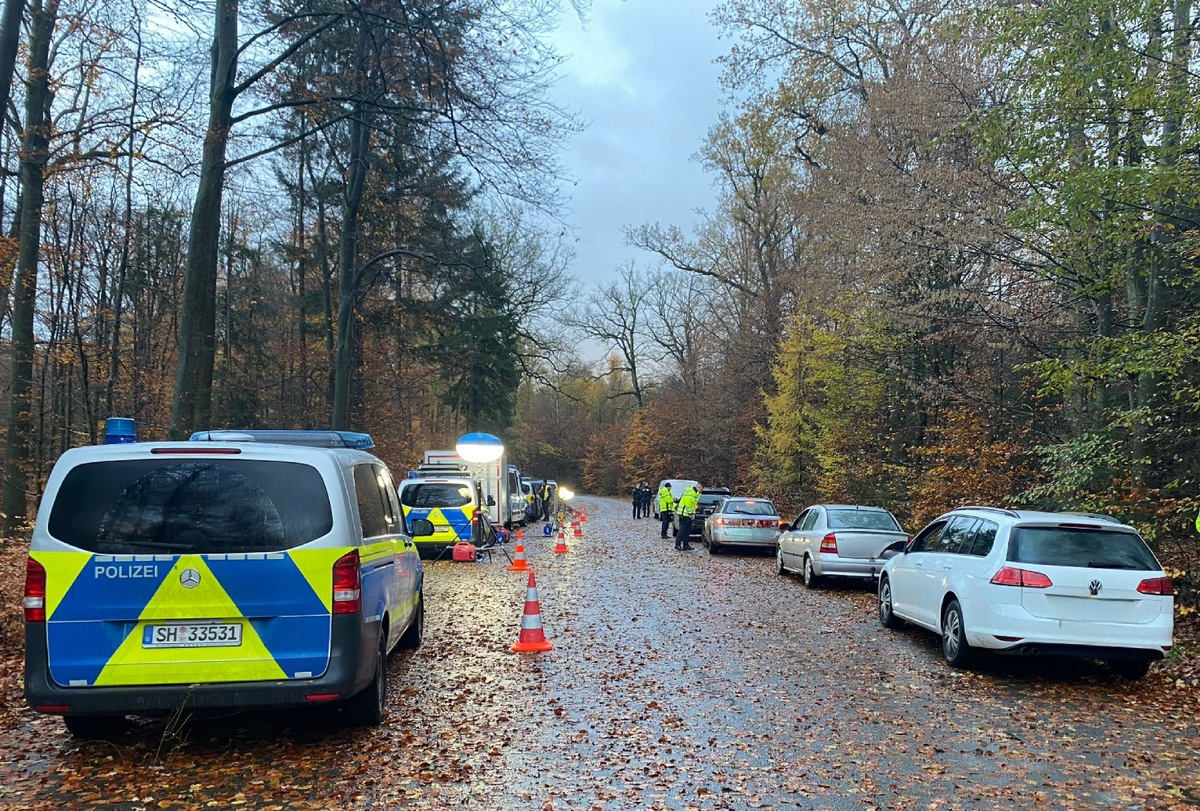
x: 688, y: 501
x: 666, y: 502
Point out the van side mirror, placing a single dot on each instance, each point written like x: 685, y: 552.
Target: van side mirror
x: 421, y: 526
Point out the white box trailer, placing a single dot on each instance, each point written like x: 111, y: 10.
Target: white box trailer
x: 493, y: 479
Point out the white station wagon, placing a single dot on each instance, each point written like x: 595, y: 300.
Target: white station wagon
x: 1023, y: 582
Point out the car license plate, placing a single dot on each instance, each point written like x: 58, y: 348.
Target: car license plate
x: 441, y: 528
x: 197, y: 635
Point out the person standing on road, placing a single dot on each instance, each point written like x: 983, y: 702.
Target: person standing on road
x: 686, y: 510
x: 637, y: 501
x: 547, y: 494
x: 647, y: 495
x: 666, y: 505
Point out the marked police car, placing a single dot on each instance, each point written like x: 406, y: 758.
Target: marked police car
x: 454, y: 506
x: 221, y: 575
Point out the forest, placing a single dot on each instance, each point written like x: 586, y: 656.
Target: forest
x: 953, y: 260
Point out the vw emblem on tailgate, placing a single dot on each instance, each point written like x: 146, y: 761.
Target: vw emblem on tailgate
x: 190, y: 578
x: 1094, y: 587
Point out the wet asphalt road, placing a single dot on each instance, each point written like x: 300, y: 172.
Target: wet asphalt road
x: 677, y: 681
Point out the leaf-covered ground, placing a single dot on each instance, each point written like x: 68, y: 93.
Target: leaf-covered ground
x: 677, y: 681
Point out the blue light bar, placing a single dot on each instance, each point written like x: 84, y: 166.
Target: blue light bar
x: 312, y: 439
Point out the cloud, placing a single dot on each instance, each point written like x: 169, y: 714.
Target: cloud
x: 642, y: 77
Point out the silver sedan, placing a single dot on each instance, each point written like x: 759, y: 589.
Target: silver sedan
x: 838, y: 540
x: 742, y: 521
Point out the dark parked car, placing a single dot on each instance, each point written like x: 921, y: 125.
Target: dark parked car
x: 710, y: 498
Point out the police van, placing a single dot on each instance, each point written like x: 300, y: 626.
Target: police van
x: 453, y: 505
x: 227, y: 574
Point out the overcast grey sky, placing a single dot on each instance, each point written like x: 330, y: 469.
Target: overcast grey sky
x: 641, y: 75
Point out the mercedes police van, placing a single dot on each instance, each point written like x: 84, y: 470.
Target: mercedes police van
x: 229, y: 574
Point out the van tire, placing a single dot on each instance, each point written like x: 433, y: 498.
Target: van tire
x: 414, y: 634
x: 369, y: 707
x: 95, y: 727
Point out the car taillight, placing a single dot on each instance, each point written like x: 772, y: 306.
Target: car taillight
x: 719, y: 520
x: 1157, y: 585
x: 1010, y: 576
x: 347, y: 584
x: 829, y: 544
x: 35, y: 591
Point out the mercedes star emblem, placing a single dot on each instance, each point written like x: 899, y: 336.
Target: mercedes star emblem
x: 190, y: 578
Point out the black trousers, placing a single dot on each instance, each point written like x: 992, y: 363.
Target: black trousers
x: 665, y: 515
x: 684, y: 536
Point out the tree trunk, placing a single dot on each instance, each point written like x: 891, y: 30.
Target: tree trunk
x: 34, y: 156
x: 360, y: 140
x: 191, y: 406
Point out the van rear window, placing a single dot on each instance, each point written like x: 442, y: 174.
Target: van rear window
x: 140, y: 506
x: 435, y: 494
x: 1081, y: 547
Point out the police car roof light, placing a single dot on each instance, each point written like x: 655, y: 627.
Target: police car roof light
x: 316, y: 439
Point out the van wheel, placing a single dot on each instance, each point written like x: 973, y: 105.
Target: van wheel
x: 414, y: 634
x: 369, y: 708
x: 955, y: 647
x: 96, y: 727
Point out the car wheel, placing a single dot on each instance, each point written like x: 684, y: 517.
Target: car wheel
x: 954, y: 636
x: 810, y: 577
x: 95, y: 727
x: 887, y: 617
x: 779, y: 567
x: 415, y: 632
x: 1130, y: 668
x: 714, y: 548
x: 368, y: 708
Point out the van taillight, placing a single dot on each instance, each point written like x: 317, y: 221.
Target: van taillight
x: 347, y: 584
x: 1157, y: 585
x: 35, y: 591
x: 1011, y: 576
x: 829, y: 544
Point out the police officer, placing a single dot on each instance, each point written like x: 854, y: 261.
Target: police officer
x: 647, y: 494
x: 666, y: 505
x: 686, y: 509
x: 637, y: 501
x: 547, y: 492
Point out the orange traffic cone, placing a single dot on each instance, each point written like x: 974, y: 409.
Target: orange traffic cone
x: 532, y: 637
x: 582, y: 512
x: 520, y: 534
x: 518, y: 564
x: 578, y: 531
x: 561, y: 546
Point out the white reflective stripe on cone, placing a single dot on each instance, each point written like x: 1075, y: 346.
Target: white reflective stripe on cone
x: 531, y: 622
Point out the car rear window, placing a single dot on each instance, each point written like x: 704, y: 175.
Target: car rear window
x: 140, y: 506
x: 756, y: 506
x: 863, y: 519
x: 1081, y: 547
x: 435, y: 494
